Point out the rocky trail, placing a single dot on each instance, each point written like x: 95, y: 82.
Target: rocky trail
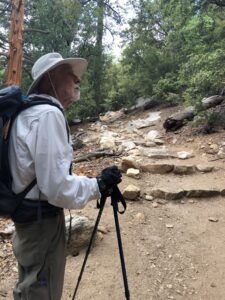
x: 173, y: 231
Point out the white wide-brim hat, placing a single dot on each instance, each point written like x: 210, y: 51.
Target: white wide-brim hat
x: 50, y: 61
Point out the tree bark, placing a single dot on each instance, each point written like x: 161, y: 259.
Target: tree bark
x: 14, y: 73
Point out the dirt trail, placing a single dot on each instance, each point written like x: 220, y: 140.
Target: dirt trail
x: 173, y: 249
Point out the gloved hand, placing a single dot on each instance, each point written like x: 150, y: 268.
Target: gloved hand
x: 109, y: 178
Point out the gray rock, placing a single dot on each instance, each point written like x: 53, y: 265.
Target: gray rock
x: 81, y: 231
x: 128, y: 145
x: 184, y: 155
x: 184, y: 170
x: 161, y: 152
x: 204, y: 169
x: 168, y: 195
x: 202, y: 193
x: 152, y: 135
x: 156, y: 168
x: 111, y: 116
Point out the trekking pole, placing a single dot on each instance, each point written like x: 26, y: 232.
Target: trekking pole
x: 100, y: 205
x: 116, y: 197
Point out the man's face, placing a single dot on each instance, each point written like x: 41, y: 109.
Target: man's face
x: 66, y: 84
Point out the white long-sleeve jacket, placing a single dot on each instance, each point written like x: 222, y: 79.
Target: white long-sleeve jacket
x: 39, y: 148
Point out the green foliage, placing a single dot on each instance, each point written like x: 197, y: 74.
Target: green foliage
x: 167, y: 88
x: 203, y: 75
x: 173, y: 49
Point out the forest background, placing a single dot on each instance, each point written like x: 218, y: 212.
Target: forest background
x: 173, y: 50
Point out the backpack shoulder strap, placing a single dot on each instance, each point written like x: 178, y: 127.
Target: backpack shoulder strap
x: 38, y: 100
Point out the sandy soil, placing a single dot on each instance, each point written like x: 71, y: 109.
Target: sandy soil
x: 173, y: 250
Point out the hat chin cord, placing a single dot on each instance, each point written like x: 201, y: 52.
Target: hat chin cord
x: 53, y: 88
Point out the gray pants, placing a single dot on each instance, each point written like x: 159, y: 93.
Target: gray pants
x: 39, y: 248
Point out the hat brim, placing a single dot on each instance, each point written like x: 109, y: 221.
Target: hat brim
x: 79, y: 66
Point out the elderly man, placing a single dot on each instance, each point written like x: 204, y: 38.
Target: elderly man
x: 40, y: 157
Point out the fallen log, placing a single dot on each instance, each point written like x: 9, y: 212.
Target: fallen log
x: 178, y: 119
x: 212, y: 101
x: 90, y: 155
x: 144, y: 104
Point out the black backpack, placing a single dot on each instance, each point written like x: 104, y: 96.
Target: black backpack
x: 11, y: 104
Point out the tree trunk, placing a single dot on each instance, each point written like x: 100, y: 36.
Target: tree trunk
x: 14, y: 72
x: 98, y: 57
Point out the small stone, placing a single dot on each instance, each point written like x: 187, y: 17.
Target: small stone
x: 191, y: 201
x: 174, y: 141
x: 154, y: 204
x: 161, y: 201
x: 102, y: 229
x: 2, y: 254
x: 182, y: 202
x: 179, y: 292
x: 213, y: 219
x: 148, y: 198
x: 214, y: 146
x: 140, y: 216
x: 204, y: 169
x: 134, y: 173
x: 131, y: 192
x: 213, y: 285
x: 138, y: 273
x: 184, y: 155
x: 169, y: 286
x: 169, y: 225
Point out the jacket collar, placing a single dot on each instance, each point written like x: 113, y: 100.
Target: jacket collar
x: 48, y: 97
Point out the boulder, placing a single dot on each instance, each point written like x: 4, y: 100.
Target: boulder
x: 81, y: 231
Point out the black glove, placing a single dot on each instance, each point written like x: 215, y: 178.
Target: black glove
x: 109, y: 178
